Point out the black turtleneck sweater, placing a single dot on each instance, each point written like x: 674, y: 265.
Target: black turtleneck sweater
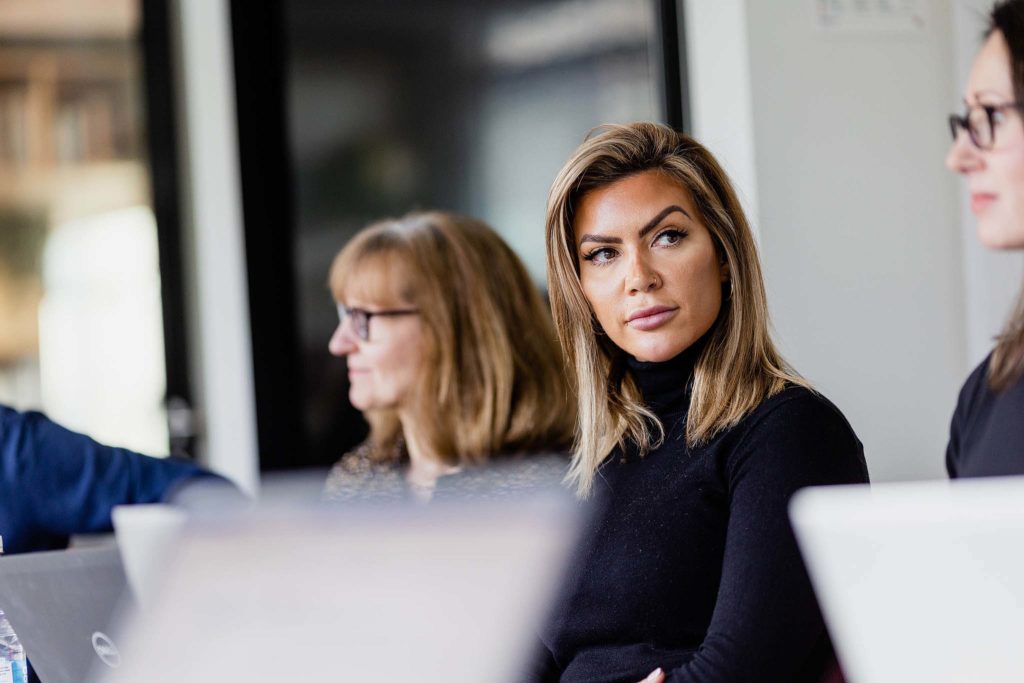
x: 690, y: 564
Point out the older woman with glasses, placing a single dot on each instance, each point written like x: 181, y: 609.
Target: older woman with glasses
x: 987, y: 433
x: 693, y: 431
x: 451, y: 358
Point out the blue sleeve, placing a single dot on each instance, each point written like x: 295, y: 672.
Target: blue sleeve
x: 55, y: 482
x: 766, y: 624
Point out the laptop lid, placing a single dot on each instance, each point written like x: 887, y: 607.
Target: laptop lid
x: 146, y: 536
x: 444, y: 592
x: 60, y: 604
x: 919, y: 581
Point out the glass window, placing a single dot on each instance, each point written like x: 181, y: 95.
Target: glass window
x: 461, y: 105
x: 81, y: 333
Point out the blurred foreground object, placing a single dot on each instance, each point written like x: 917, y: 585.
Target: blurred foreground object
x: 61, y: 603
x: 921, y: 581
x: 448, y: 592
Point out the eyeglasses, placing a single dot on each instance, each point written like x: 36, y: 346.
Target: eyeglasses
x: 361, y: 318
x: 980, y: 122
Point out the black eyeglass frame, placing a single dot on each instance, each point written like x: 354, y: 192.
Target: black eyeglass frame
x: 361, y: 318
x: 958, y: 122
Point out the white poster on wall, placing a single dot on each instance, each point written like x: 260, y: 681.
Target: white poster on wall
x: 872, y: 17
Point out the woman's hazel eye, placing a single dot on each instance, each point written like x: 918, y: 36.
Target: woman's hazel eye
x: 601, y: 255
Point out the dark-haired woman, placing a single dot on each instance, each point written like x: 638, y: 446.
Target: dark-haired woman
x: 987, y: 433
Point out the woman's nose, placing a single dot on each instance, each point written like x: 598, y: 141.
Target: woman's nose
x: 642, y: 277
x: 342, y: 341
x: 963, y: 156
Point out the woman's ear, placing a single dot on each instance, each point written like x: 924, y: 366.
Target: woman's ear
x: 723, y: 268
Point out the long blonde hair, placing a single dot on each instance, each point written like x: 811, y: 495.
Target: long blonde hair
x: 492, y: 379
x: 739, y: 366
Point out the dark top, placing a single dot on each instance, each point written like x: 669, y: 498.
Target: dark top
x: 55, y: 483
x: 986, y: 437
x: 691, y: 564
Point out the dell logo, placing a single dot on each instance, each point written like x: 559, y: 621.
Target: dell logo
x: 106, y: 649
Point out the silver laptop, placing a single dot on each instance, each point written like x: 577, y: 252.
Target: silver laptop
x: 921, y: 581
x: 443, y: 592
x: 61, y: 606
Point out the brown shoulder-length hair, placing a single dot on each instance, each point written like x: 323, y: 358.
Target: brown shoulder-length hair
x: 1007, y: 362
x: 492, y: 379
x: 738, y: 367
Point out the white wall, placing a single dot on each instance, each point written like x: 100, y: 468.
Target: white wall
x: 859, y: 221
x: 719, y: 80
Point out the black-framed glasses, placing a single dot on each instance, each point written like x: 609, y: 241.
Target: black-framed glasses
x: 980, y: 122
x: 361, y: 318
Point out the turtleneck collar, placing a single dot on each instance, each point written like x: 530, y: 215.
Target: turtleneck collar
x: 665, y: 386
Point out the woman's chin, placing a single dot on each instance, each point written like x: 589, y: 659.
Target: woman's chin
x: 657, y: 353
x: 360, y: 403
x: 998, y: 236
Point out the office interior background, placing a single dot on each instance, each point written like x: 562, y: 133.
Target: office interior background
x: 176, y: 176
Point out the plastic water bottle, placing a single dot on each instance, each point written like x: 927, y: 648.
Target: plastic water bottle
x: 13, y: 667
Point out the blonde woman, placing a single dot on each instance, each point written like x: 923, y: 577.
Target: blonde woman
x: 693, y: 433
x: 451, y: 357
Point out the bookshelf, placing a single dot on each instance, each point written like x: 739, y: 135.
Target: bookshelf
x: 70, y: 138
x: 66, y: 104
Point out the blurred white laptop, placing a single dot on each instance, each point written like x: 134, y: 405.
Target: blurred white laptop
x: 922, y: 581
x: 445, y: 592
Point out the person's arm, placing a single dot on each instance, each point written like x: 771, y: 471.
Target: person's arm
x: 766, y: 625
x: 56, y: 483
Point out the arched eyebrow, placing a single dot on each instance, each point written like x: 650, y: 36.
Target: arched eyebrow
x: 980, y: 95
x: 650, y: 225
x: 653, y: 223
